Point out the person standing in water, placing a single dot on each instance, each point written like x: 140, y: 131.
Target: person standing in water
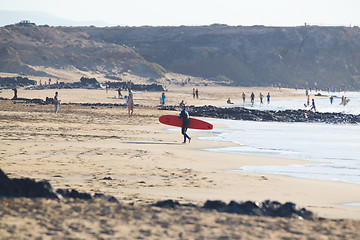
x: 252, y: 97
x: 185, y: 124
x: 268, y: 98
x: 130, y: 103
x: 56, y: 102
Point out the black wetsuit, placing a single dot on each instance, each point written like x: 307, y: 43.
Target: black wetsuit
x: 185, y: 116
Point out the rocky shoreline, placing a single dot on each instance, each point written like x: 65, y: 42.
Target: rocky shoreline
x: 29, y: 188
x: 235, y: 113
x: 240, y: 113
x: 92, y: 83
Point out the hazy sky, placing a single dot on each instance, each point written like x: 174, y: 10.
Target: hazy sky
x: 198, y: 12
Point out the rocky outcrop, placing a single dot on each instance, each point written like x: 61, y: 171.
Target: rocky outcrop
x: 24, y: 187
x: 29, y: 188
x: 31, y: 100
x: 240, y: 113
x: 92, y: 83
x: 13, y: 82
x: 266, y: 208
x: 136, y: 87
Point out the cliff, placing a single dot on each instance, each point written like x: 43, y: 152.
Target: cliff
x: 22, y: 48
x: 247, y: 56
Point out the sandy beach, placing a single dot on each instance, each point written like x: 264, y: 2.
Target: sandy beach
x: 139, y: 161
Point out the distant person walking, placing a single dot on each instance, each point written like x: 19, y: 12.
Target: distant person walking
x: 331, y: 99
x: 15, y: 93
x: 197, y: 93
x: 194, y: 94
x: 268, y: 98
x: 243, y: 97
x: 130, y: 103
x: 107, y: 88
x: 252, y: 97
x: 185, y: 124
x: 162, y: 99
x: 261, y: 98
x: 56, y: 102
x: 313, y: 106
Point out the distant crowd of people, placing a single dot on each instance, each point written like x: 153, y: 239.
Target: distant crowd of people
x: 195, y: 94
x: 252, y: 98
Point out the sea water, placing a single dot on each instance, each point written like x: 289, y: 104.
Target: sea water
x: 331, y: 149
x: 322, y: 103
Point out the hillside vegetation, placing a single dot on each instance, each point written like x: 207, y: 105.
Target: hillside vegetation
x: 248, y: 56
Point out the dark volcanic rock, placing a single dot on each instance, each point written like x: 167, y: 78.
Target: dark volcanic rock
x: 24, y: 187
x: 136, y: 87
x: 239, y: 113
x: 72, y: 193
x: 12, y: 82
x: 167, y: 204
x: 266, y: 208
x: 92, y: 83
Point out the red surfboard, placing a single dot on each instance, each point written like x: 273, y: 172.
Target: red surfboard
x: 194, y: 123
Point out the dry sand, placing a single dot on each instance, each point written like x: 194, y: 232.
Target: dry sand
x: 137, y: 160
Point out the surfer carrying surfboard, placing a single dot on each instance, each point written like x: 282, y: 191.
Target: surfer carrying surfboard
x: 185, y: 124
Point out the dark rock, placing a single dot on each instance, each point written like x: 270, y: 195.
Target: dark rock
x: 49, y: 100
x: 214, y: 205
x: 136, y: 87
x: 24, y: 188
x: 107, y: 178
x: 266, y: 208
x: 167, y: 204
x: 240, y: 113
x: 72, y: 193
x: 89, y: 81
x: 13, y: 82
x: 108, y: 198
